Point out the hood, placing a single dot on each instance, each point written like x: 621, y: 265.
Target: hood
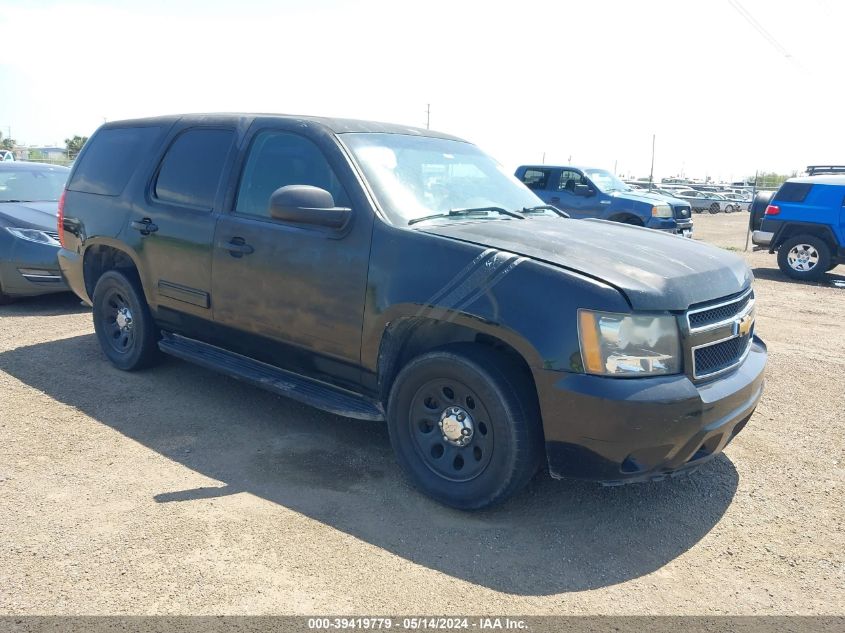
x: 651, y: 196
x: 29, y: 215
x: 654, y: 270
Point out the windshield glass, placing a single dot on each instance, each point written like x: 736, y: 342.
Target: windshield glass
x: 605, y: 181
x: 418, y: 176
x: 32, y: 185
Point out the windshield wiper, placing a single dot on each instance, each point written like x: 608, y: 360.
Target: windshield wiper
x: 469, y: 211
x: 545, y: 207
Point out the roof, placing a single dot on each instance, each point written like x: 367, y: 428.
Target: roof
x: 20, y: 165
x: 335, y: 125
x: 578, y: 167
x: 826, y: 179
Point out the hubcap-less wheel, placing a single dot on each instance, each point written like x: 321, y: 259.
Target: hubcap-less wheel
x: 451, y: 429
x: 118, y: 321
x: 714, y: 208
x: 802, y: 257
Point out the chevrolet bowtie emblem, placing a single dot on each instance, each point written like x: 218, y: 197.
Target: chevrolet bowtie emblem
x: 744, y: 325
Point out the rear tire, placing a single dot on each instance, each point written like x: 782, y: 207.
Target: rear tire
x: 448, y: 409
x: 804, y: 257
x: 123, y: 322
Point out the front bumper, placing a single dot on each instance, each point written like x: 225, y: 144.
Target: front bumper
x: 671, y: 225
x: 625, y: 430
x: 29, y: 268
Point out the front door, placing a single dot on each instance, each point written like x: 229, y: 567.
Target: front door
x: 291, y: 290
x: 576, y: 206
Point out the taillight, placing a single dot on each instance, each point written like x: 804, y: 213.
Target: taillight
x: 772, y: 210
x: 60, y: 221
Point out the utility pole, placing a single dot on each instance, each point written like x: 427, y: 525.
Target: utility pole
x: 427, y: 116
x: 651, y: 173
x: 614, y: 168
x: 544, y: 158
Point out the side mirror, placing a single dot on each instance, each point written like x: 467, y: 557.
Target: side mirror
x: 583, y: 191
x: 305, y: 204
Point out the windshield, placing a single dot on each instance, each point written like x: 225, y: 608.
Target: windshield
x: 607, y: 182
x: 418, y: 176
x: 32, y: 185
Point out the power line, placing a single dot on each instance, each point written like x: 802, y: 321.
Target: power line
x: 760, y: 28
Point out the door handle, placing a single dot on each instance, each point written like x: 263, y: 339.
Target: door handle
x: 238, y: 247
x: 145, y: 226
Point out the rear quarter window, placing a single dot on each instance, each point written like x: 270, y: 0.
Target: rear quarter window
x: 793, y: 192
x: 112, y: 156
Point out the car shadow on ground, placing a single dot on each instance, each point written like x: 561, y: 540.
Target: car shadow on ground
x: 556, y: 536
x: 44, y: 305
x: 774, y: 274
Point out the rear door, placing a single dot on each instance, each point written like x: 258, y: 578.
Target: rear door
x: 172, y: 228
x: 289, y: 293
x: 538, y: 180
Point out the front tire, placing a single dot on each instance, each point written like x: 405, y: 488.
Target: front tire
x: 804, y: 257
x: 714, y: 208
x: 123, y: 322
x: 465, y: 426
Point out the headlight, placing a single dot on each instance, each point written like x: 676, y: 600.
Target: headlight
x: 661, y: 211
x: 34, y: 235
x: 627, y: 345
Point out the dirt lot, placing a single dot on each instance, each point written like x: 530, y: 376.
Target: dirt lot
x: 177, y: 490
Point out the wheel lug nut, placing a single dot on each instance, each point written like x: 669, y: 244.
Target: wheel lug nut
x: 445, y: 439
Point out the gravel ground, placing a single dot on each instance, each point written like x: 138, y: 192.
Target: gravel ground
x: 179, y: 491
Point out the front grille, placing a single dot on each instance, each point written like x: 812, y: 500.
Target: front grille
x: 714, y: 358
x: 720, y: 334
x: 722, y: 312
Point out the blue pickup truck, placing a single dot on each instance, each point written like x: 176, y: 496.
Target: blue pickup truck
x: 586, y: 192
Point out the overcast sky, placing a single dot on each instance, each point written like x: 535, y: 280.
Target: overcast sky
x: 587, y: 80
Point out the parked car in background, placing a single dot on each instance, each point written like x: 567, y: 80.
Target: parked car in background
x: 589, y: 192
x: 702, y: 200
x: 29, y: 196
x: 388, y: 273
x: 740, y: 201
x: 805, y: 224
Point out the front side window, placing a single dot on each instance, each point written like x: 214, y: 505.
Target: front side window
x: 568, y: 180
x: 418, y: 176
x: 191, y: 169
x: 277, y: 159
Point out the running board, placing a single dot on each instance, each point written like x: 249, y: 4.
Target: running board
x: 306, y: 390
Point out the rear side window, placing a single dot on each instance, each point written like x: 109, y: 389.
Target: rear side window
x: 536, y: 178
x: 191, y: 168
x: 112, y: 155
x: 793, y: 192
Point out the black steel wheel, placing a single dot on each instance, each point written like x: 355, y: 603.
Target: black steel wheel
x: 714, y: 208
x: 123, y: 322
x: 464, y: 426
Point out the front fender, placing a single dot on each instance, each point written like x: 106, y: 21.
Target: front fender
x: 530, y: 305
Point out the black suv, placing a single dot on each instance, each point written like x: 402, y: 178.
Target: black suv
x: 390, y: 273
